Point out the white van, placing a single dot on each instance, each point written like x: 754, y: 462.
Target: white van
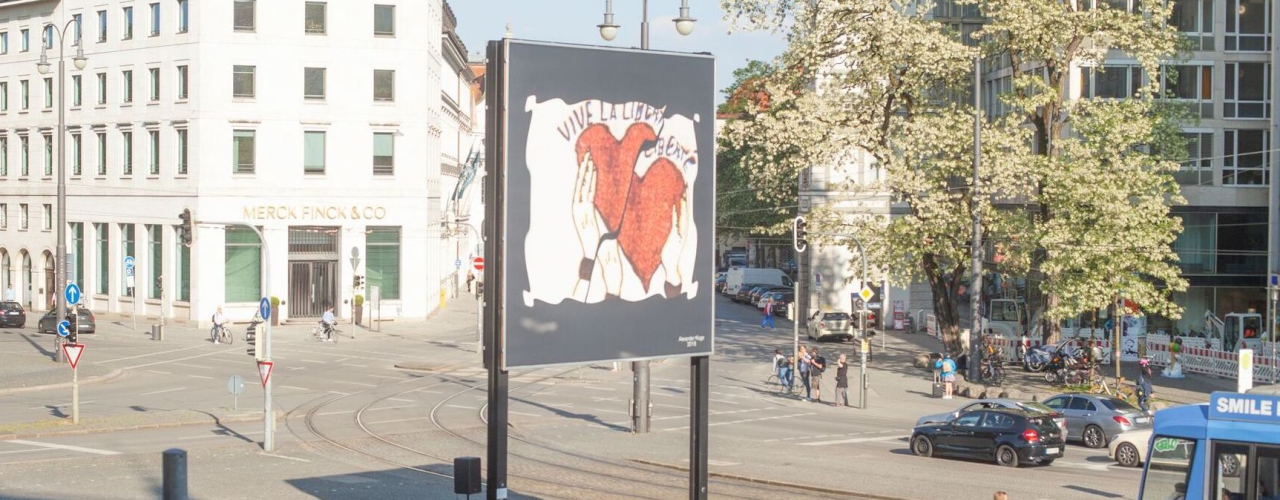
x: 739, y: 276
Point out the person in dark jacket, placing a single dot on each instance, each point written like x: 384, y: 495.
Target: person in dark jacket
x: 842, y: 381
x: 1144, y: 384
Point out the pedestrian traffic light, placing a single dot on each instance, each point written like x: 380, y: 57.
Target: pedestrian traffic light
x: 357, y: 281
x: 799, y: 234
x: 73, y: 327
x: 184, y: 231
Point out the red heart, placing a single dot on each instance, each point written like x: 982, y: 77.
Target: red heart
x: 638, y: 209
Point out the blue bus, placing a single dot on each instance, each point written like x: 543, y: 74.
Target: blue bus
x: 1228, y: 449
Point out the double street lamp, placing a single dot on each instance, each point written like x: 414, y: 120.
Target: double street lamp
x: 79, y: 61
x: 609, y: 29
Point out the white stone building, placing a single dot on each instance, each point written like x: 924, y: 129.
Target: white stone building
x: 318, y: 122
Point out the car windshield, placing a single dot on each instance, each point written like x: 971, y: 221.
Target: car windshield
x: 1121, y: 405
x: 835, y: 316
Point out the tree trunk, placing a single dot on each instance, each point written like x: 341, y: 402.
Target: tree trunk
x: 945, y: 308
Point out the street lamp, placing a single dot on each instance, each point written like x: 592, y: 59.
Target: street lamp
x: 609, y: 29
x: 44, y: 66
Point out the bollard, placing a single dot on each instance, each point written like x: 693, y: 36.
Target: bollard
x: 157, y: 332
x: 175, y: 474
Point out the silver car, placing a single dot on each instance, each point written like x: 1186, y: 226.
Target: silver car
x: 1095, y: 419
x: 983, y: 404
x: 829, y: 324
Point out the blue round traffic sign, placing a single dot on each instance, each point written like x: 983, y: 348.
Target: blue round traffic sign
x: 64, y: 328
x: 72, y: 294
x: 264, y: 308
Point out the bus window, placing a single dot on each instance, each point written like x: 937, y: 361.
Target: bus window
x: 1169, y: 468
x: 1268, y: 472
x: 1230, y: 467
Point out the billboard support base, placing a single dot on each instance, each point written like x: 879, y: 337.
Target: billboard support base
x: 700, y: 380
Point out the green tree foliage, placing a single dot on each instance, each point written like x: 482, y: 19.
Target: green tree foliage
x: 747, y: 204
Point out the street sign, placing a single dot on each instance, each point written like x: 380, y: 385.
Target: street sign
x: 64, y: 328
x: 73, y: 352
x: 865, y: 346
x: 72, y: 294
x: 477, y: 263
x: 264, y: 308
x: 264, y: 371
x: 866, y: 293
x: 128, y: 271
x: 1274, y: 281
x: 355, y: 258
x: 457, y: 263
x: 235, y: 384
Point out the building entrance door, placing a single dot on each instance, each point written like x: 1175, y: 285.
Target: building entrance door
x: 313, y: 287
x: 313, y: 270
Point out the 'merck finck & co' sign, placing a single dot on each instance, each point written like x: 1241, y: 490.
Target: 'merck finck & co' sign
x: 314, y: 212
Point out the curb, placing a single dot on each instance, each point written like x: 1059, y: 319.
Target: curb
x: 111, y: 376
x: 102, y: 430
x: 770, y: 482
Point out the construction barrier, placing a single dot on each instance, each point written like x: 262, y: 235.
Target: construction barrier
x: 1209, y: 361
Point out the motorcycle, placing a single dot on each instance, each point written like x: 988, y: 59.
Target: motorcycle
x: 1040, y: 357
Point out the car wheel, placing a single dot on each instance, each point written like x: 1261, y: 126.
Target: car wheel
x: 922, y: 446
x: 1093, y: 437
x: 1007, y: 456
x: 1127, y: 455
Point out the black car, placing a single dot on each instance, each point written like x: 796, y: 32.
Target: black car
x: 12, y: 315
x: 85, y: 322
x: 744, y: 292
x: 1007, y: 436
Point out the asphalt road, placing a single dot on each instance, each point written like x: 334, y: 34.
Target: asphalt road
x: 358, y: 427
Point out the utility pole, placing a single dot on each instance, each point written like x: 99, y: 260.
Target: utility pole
x: 975, y: 285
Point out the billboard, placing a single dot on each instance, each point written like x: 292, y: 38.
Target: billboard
x: 605, y: 175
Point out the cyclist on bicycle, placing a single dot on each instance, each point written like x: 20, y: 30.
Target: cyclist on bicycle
x: 219, y: 322
x: 327, y: 322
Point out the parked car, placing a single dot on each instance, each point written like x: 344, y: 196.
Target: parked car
x: 776, y: 295
x: 85, y: 322
x: 829, y: 324
x: 12, y: 315
x: 744, y: 293
x: 1130, y: 448
x: 757, y: 295
x: 1094, y: 419
x: 720, y: 282
x: 1007, y: 436
x: 992, y: 403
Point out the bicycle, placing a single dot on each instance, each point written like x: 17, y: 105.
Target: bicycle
x: 782, y: 388
x: 319, y: 333
x: 222, y: 335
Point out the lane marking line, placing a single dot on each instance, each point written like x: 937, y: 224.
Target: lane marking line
x: 200, y: 376
x: 152, y: 354
x: 161, y: 392
x: 64, y: 447
x: 224, y: 434
x: 857, y: 440
x: 761, y: 419
x: 464, y: 407
x: 353, y: 383
x: 160, y: 372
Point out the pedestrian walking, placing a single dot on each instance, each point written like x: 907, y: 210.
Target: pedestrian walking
x: 947, y: 367
x: 471, y: 277
x: 815, y: 373
x: 842, y: 381
x: 768, y: 314
x: 1144, y: 384
x: 805, y: 365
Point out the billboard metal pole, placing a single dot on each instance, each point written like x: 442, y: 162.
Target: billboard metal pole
x: 700, y: 375
x: 640, y: 369
x: 496, y: 476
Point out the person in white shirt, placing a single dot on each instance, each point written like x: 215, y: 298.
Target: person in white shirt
x: 219, y: 321
x: 9, y: 294
x: 328, y: 321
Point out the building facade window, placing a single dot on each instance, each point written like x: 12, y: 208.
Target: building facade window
x: 184, y: 16
x: 384, y: 153
x: 26, y: 39
x: 242, y: 150
x: 102, y: 29
x: 4, y: 96
x: 79, y: 27
x: 24, y: 156
x: 48, y: 155
x: 1248, y: 25
x: 1245, y: 158
x: 313, y: 83
x: 382, y: 244
x: 47, y: 217
x: 4, y: 156
x: 184, y: 273
x: 77, y: 249
x: 182, y: 151
x: 314, y: 152
x: 128, y: 23
x: 26, y: 94
x: 104, y: 258
x: 153, y: 163
x: 126, y: 83
x: 155, y: 84
x: 155, y: 259
x: 4, y: 43
x: 1196, y: 245
x: 77, y: 166
x: 1111, y: 82
x: 102, y: 88
x: 77, y: 91
x: 127, y: 250
x: 1248, y: 86
x: 48, y: 93
x: 47, y: 37
x: 182, y: 82
x: 315, y: 18
x: 384, y: 20
x: 1242, y: 243
x: 4, y: 216
x: 102, y: 153
x: 243, y: 265
x: 24, y: 217
x: 244, y: 15
x: 155, y: 19
x: 384, y: 85
x: 243, y: 81
x: 126, y: 153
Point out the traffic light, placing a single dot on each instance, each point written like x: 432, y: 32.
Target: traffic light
x: 357, y: 281
x: 799, y: 234
x: 185, y: 231
x: 74, y: 327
